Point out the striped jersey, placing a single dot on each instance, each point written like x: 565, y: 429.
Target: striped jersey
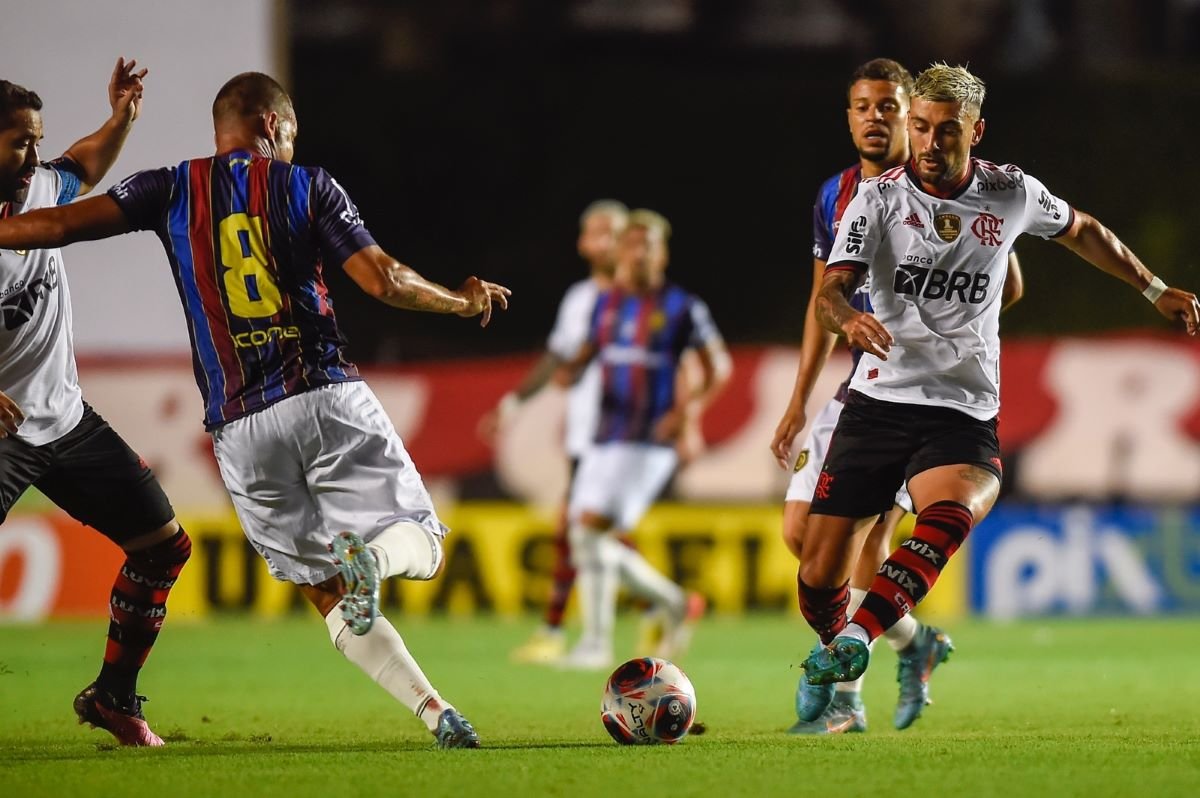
x: 937, y: 267
x: 37, y: 349
x: 639, y: 340
x: 832, y: 199
x: 248, y: 239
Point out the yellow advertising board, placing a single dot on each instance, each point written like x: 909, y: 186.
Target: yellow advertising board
x: 500, y: 556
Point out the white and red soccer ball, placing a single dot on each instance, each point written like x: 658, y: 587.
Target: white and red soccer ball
x: 648, y: 701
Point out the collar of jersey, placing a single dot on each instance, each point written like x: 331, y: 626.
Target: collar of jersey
x: 954, y: 193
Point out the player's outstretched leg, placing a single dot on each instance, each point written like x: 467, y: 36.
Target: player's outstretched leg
x: 360, y: 573
x: 382, y: 655
x: 929, y: 648
x: 548, y: 642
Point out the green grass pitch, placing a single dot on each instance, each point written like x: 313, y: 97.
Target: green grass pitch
x: 250, y: 708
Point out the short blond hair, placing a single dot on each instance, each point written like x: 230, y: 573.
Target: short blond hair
x: 943, y: 83
x: 651, y: 220
x: 614, y: 209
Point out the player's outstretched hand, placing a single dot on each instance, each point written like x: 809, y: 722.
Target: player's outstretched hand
x: 785, y: 434
x: 1177, y: 304
x: 10, y: 416
x: 480, y: 296
x: 865, y: 331
x: 125, y: 89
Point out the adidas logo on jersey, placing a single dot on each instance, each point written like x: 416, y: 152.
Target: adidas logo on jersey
x: 912, y: 220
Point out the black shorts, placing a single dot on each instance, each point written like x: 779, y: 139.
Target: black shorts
x: 92, y: 474
x: 878, y: 445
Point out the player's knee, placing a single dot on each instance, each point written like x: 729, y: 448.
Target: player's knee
x: 168, y: 554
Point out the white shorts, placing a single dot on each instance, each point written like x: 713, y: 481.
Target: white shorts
x: 620, y: 481
x: 312, y: 465
x: 811, y: 459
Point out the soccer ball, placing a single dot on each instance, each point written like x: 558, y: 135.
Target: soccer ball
x: 647, y: 701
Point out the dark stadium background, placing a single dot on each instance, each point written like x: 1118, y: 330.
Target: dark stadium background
x: 472, y: 134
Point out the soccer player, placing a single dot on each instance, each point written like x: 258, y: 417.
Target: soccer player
x: 639, y: 331
x: 49, y: 436
x: 599, y: 226
x: 878, y: 97
x: 931, y: 236
x: 308, y: 455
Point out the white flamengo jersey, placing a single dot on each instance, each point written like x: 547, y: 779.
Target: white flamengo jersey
x: 936, y: 268
x: 570, y: 333
x: 37, y: 352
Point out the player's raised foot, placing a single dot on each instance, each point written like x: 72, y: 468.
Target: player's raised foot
x: 843, y: 660
x: 678, y: 629
x: 99, y: 709
x: 929, y: 648
x: 812, y: 699
x: 547, y: 645
x: 650, y: 632
x: 455, y: 731
x: 360, y: 572
x: 844, y: 715
x: 586, y: 657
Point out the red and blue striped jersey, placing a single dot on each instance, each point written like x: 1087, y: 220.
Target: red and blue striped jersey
x: 248, y: 239
x: 639, y: 339
x: 832, y: 198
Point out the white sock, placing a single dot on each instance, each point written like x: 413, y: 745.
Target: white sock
x: 857, y: 632
x: 645, y: 580
x: 381, y: 654
x: 902, y: 632
x: 408, y: 550
x: 856, y: 599
x: 597, y: 578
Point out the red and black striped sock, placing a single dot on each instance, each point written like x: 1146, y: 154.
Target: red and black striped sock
x: 137, y: 608
x: 906, y: 576
x: 563, y: 576
x: 824, y: 608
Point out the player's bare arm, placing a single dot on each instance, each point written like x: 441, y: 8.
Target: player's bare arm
x: 96, y: 153
x: 400, y: 286
x: 46, y: 228
x: 715, y: 370
x: 835, y: 313
x: 10, y: 416
x: 537, y: 377
x: 815, y: 347
x: 569, y: 371
x: 1014, y: 283
x: 1099, y: 246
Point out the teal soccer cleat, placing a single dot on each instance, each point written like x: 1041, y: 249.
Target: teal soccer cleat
x: 812, y: 699
x: 930, y: 648
x: 360, y: 572
x: 844, y: 715
x: 455, y: 731
x: 843, y: 660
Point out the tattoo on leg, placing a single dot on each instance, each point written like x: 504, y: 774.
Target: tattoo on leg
x: 980, y: 476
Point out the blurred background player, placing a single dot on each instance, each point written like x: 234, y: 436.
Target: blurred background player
x: 599, y: 225
x: 50, y: 437
x: 310, y: 458
x: 924, y: 398
x: 878, y: 97
x: 639, y: 331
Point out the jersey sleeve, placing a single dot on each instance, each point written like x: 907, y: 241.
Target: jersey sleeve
x: 1046, y: 215
x: 339, y: 227
x: 70, y: 178
x: 858, y: 235
x: 573, y: 323
x: 143, y: 197
x: 822, y: 229
x: 704, y: 329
